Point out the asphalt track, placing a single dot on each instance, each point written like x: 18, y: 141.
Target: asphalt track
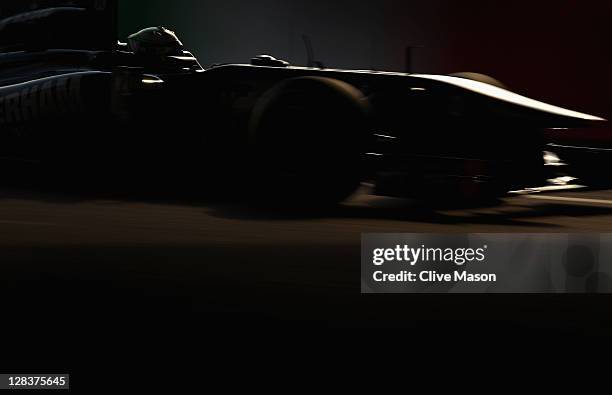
x: 55, y: 219
x: 69, y: 255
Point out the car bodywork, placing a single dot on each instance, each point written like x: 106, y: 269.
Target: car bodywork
x: 97, y: 105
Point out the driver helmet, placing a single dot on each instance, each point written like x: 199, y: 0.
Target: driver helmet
x: 155, y: 41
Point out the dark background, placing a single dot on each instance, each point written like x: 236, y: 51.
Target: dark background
x: 556, y: 51
x: 164, y: 273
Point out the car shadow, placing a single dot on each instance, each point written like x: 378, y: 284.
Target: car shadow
x: 411, y: 211
x: 361, y: 206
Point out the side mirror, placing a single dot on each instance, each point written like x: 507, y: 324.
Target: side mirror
x: 267, y: 60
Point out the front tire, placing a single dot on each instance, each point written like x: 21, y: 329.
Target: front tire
x: 487, y: 79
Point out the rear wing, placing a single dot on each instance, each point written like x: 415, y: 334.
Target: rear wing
x: 57, y: 24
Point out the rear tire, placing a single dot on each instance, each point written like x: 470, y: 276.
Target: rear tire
x: 308, y: 136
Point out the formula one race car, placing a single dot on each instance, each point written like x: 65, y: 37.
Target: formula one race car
x: 147, y: 111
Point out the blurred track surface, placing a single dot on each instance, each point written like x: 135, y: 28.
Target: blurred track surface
x: 228, y: 265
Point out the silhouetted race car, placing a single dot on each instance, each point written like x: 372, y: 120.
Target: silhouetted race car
x: 147, y: 112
